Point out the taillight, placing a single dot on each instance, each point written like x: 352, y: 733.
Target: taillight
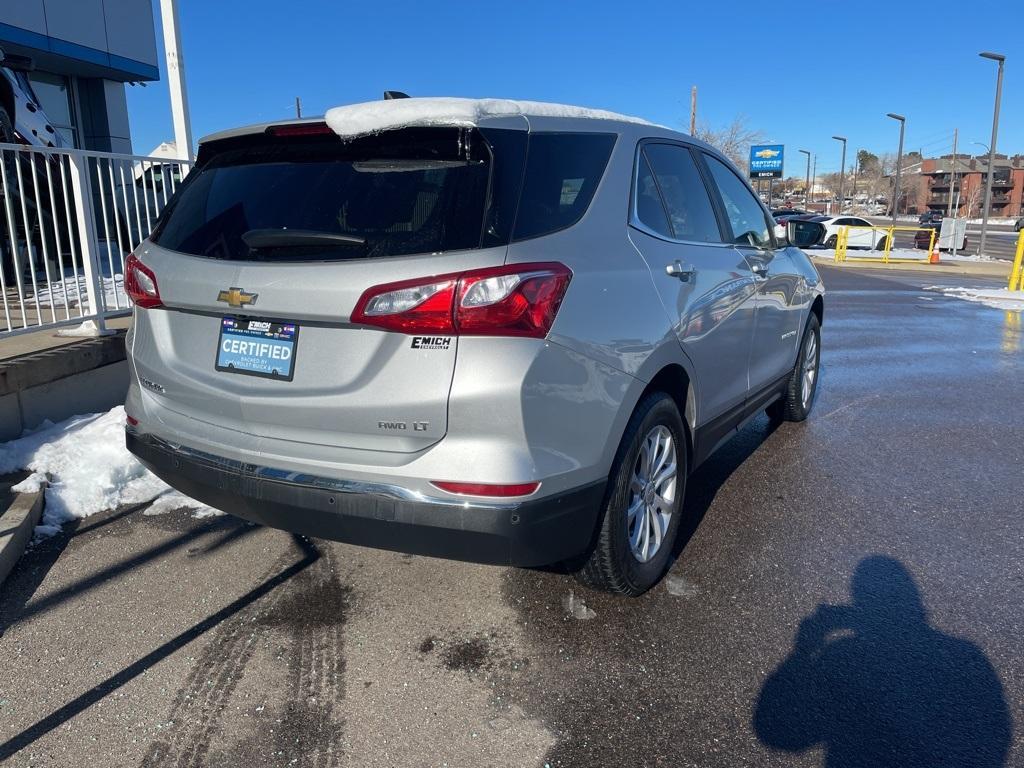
x: 140, y: 284
x: 513, y: 300
x: 486, y: 489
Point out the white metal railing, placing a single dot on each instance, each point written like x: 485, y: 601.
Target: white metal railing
x: 68, y: 220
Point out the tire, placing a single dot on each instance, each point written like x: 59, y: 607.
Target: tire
x: 831, y: 241
x: 616, y: 563
x: 881, y: 244
x: 795, y: 405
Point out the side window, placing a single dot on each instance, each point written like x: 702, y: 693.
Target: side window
x: 690, y: 211
x: 746, y: 217
x: 649, y: 208
x: 562, y: 174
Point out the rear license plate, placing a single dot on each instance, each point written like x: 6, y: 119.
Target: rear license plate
x: 257, y: 347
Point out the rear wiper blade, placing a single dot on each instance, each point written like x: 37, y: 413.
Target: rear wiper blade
x: 298, y: 238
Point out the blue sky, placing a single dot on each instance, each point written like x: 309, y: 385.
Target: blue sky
x: 799, y: 73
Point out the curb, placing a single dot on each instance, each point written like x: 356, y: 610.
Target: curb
x: 16, y: 525
x: 972, y: 268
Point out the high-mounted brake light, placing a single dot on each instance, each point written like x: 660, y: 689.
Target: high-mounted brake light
x: 512, y: 300
x: 140, y: 284
x: 486, y: 489
x: 300, y: 129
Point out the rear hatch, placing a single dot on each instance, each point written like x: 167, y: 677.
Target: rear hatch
x: 263, y: 255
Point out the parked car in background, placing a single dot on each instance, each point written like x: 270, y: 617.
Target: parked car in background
x: 862, y: 233
x: 1019, y: 225
x: 781, y: 214
x: 300, y: 309
x: 923, y: 237
x: 930, y: 217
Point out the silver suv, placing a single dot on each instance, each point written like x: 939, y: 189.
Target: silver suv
x: 503, y: 332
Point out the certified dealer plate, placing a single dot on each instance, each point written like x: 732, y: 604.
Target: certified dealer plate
x: 257, y: 347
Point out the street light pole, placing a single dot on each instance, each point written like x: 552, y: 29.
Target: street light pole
x: 814, y: 173
x: 842, y: 173
x: 899, y: 162
x: 807, y: 186
x: 997, y: 57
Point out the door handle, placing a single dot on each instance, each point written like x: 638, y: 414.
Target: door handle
x: 677, y: 269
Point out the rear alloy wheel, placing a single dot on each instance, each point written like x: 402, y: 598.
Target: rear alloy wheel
x: 798, y: 399
x: 643, y: 502
x: 831, y: 242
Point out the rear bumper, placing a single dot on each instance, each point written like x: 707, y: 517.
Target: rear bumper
x: 530, y: 532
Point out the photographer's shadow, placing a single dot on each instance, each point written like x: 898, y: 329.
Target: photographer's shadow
x: 875, y: 685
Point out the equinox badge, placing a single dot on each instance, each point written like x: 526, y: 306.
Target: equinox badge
x: 236, y: 297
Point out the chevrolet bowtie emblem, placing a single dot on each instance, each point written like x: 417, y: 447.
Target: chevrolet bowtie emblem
x: 236, y: 297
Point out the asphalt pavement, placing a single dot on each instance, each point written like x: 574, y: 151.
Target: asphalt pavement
x: 848, y: 593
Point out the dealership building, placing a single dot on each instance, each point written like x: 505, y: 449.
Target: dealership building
x: 85, y: 54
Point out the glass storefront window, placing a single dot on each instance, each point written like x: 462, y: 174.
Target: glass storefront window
x: 54, y: 94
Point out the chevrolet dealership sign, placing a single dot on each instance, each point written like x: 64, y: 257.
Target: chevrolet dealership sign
x: 766, y: 161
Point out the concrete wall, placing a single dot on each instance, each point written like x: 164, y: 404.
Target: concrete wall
x: 84, y: 377
x: 103, y: 116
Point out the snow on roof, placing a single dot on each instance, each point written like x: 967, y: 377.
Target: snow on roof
x: 376, y: 116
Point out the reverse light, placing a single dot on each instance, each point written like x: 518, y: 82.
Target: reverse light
x: 512, y: 300
x: 140, y: 284
x: 486, y: 489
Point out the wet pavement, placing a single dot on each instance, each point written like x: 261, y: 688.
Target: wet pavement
x: 848, y: 593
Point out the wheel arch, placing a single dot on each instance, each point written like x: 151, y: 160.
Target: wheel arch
x: 818, y: 309
x: 675, y: 382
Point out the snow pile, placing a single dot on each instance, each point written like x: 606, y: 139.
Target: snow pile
x: 89, y: 470
x: 903, y: 254
x: 73, y: 291
x: 377, y: 116
x: 997, y: 298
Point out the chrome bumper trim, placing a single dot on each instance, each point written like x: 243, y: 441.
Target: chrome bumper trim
x: 359, y: 487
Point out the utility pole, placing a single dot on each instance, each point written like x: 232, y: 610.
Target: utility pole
x: 856, y: 168
x: 842, y: 172
x: 693, y: 110
x: 997, y: 57
x: 952, y: 175
x: 176, y: 80
x: 298, y: 107
x: 807, y: 184
x: 899, y: 162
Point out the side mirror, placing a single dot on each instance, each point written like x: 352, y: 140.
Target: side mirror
x: 804, y: 234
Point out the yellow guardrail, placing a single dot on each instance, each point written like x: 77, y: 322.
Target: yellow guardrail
x: 1017, y: 273
x: 843, y: 242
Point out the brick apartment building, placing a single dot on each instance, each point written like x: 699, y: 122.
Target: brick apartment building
x: 931, y: 185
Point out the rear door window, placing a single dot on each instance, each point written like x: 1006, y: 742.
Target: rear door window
x: 650, y: 209
x: 563, y: 171
x: 686, y: 197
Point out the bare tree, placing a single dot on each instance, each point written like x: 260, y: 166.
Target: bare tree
x: 974, y: 200
x: 733, y: 141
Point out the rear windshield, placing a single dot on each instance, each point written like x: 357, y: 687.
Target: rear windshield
x: 412, y: 191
